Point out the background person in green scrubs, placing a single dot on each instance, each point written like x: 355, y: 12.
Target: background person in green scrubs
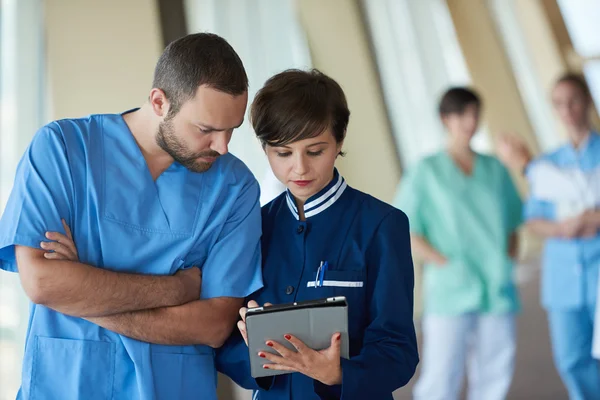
x: 464, y: 210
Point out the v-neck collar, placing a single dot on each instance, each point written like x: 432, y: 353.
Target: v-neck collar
x: 132, y: 196
x: 588, y: 145
x: 457, y: 167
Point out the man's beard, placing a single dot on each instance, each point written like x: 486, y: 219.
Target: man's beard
x: 168, y: 141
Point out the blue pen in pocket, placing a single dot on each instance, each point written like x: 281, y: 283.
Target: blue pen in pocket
x: 321, y: 273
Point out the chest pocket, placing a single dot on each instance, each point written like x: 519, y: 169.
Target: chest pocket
x: 339, y: 281
x: 350, y: 284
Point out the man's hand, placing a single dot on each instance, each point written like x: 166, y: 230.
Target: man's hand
x: 191, y: 281
x: 62, y: 246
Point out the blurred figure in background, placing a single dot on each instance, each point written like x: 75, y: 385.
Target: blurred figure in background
x: 464, y: 211
x: 563, y: 208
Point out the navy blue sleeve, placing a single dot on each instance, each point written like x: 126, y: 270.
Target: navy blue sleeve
x: 233, y: 360
x: 389, y: 355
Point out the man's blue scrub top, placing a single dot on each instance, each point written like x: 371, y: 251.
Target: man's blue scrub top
x: 91, y: 172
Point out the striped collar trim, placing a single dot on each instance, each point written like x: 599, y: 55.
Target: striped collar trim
x: 322, y: 200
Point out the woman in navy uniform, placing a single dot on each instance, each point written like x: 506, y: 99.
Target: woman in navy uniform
x: 361, y: 243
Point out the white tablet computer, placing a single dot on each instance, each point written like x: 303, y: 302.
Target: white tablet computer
x: 313, y: 322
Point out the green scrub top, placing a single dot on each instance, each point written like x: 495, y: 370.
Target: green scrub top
x: 469, y: 219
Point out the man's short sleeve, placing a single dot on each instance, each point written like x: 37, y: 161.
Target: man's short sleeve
x: 233, y: 265
x: 41, y: 196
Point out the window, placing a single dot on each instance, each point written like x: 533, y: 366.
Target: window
x: 21, y: 105
x: 534, y: 96
x: 418, y: 57
x: 581, y: 18
x: 269, y: 39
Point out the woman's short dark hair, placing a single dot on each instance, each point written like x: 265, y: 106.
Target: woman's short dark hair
x: 456, y: 100
x: 576, y: 80
x: 195, y: 60
x: 295, y: 105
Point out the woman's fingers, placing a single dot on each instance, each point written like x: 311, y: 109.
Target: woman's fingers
x: 281, y: 349
x: 279, y: 367
x: 243, y: 312
x: 274, y: 358
x: 297, y: 343
x: 242, y: 328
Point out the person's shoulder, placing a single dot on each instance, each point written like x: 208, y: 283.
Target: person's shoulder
x: 489, y: 158
x: 62, y: 133
x: 555, y: 156
x: 377, y: 211
x: 234, y: 169
x: 81, y: 124
x: 270, y: 209
x: 430, y: 160
x: 76, y: 130
x: 492, y: 161
x: 426, y: 166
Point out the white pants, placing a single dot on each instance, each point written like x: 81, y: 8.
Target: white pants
x: 596, y: 337
x: 486, y: 343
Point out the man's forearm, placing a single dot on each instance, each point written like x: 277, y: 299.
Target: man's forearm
x: 208, y: 322
x: 82, y: 290
x: 593, y: 219
x: 544, y: 228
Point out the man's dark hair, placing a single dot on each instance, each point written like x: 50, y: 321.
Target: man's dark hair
x: 456, y: 100
x: 195, y: 60
x: 578, y: 81
x: 295, y: 105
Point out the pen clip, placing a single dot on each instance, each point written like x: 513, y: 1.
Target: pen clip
x: 323, y: 269
x: 318, y: 275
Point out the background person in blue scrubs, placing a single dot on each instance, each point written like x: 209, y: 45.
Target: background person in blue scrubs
x: 146, y: 193
x: 563, y: 207
x: 301, y: 118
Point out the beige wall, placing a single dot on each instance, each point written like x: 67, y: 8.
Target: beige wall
x: 490, y: 69
x: 100, y: 54
x: 340, y: 47
x: 545, y: 53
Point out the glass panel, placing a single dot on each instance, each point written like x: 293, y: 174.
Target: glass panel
x: 581, y: 18
x: 418, y: 57
x: 592, y: 74
x: 21, y: 98
x: 269, y: 39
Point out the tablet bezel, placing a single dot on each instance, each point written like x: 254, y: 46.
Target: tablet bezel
x: 338, y: 301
